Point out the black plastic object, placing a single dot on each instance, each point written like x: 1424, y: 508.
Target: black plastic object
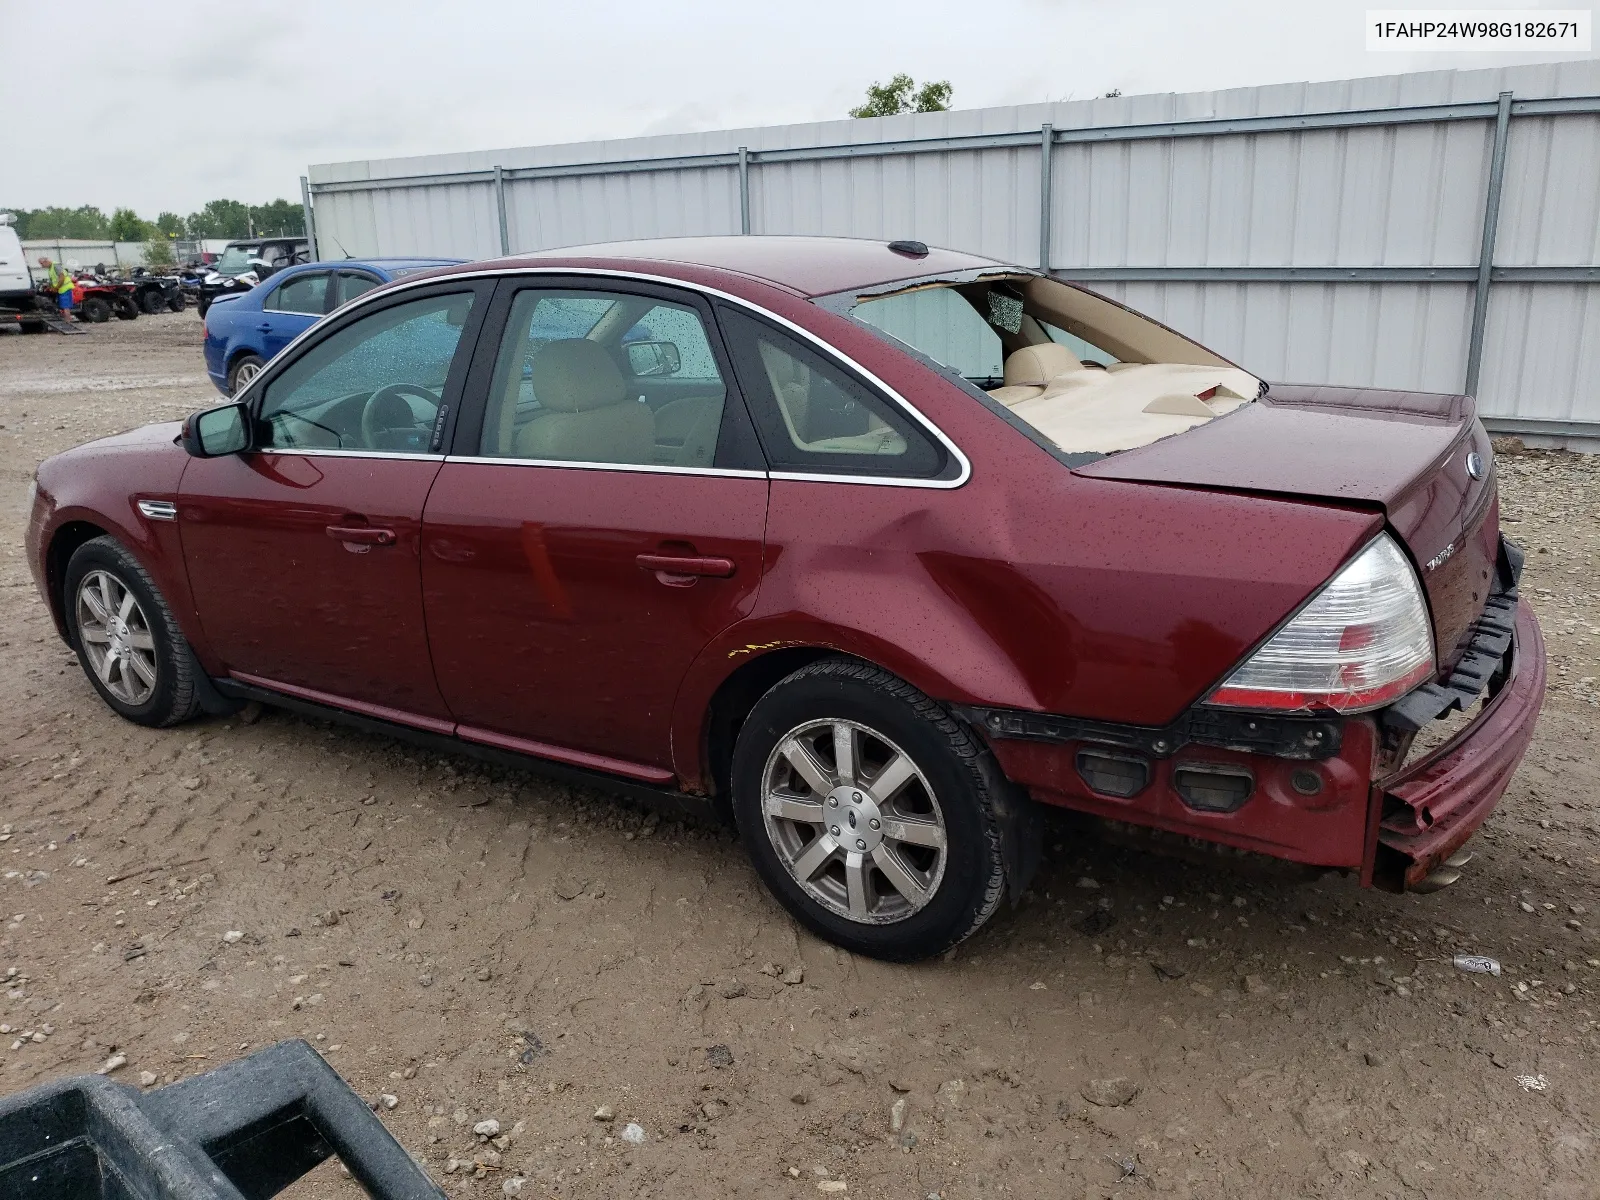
x: 1484, y: 666
x: 910, y: 248
x: 242, y: 1132
x: 1119, y: 775
x: 1213, y: 787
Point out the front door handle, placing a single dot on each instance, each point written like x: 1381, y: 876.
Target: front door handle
x: 682, y: 570
x: 264, y: 328
x: 362, y: 536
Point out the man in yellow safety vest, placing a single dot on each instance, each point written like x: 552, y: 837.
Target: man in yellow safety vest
x: 59, y: 281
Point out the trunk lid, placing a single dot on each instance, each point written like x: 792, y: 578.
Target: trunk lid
x: 1404, y: 452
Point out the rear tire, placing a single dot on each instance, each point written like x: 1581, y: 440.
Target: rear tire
x: 895, y: 855
x: 95, y: 310
x: 179, y: 302
x: 153, y: 300
x: 245, y: 368
x: 127, y: 640
x: 126, y: 308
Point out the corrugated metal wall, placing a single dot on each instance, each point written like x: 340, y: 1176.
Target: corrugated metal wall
x: 1363, y: 196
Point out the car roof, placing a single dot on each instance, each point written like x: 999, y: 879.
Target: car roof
x: 380, y: 265
x: 811, y: 266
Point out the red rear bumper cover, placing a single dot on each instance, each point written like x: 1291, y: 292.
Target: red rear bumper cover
x: 1434, y: 805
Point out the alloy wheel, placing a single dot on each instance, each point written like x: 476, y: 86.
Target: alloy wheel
x: 116, y: 638
x: 243, y: 374
x: 854, y: 821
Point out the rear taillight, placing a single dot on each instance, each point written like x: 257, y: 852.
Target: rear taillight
x: 1363, y: 642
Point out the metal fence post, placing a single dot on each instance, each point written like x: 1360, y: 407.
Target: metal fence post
x: 744, y: 189
x: 500, y: 204
x: 310, y: 218
x: 1047, y: 141
x: 1491, y: 225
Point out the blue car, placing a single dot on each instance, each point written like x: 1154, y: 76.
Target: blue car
x: 243, y: 332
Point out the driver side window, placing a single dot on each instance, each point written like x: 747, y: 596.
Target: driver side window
x: 374, y: 385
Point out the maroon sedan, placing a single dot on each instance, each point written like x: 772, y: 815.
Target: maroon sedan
x: 872, y: 549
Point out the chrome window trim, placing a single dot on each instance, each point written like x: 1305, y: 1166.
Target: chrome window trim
x: 579, y: 465
x: 158, y: 510
x: 378, y: 294
x: 327, y: 452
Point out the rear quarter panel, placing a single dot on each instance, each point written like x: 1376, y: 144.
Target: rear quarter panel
x: 229, y: 332
x: 1028, y: 587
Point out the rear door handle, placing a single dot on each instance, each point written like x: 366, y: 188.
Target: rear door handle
x: 361, y: 535
x: 264, y: 328
x: 679, y: 571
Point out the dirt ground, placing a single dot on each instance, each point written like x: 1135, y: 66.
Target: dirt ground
x: 481, y: 944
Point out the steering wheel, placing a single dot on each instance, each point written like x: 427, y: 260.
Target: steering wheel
x: 380, y: 408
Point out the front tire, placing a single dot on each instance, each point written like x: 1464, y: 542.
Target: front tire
x: 126, y: 308
x: 153, y: 300
x: 127, y: 641
x: 95, y: 310
x: 863, y: 807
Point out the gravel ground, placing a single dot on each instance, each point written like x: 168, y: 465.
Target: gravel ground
x: 481, y: 944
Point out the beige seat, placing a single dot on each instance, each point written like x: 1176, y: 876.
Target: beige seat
x: 586, y: 414
x: 1028, y: 371
x: 686, y: 431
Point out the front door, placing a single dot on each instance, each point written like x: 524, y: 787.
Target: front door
x: 303, y: 552
x: 600, y: 521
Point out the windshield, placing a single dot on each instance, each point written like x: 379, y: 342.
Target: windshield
x: 1087, y: 374
x: 235, y: 260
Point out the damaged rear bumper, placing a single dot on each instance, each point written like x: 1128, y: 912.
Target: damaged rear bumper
x: 1429, y: 808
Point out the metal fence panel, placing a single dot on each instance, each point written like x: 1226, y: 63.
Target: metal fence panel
x: 1315, y: 232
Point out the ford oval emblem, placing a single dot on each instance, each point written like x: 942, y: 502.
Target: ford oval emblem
x: 1475, y: 465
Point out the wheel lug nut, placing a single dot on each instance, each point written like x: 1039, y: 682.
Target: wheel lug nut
x: 877, y: 824
x: 833, y: 802
x: 860, y: 844
x: 833, y: 829
x: 856, y: 796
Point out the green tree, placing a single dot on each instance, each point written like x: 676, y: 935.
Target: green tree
x: 85, y: 222
x: 280, y: 216
x: 902, y: 95
x: 158, y: 252
x: 220, y: 219
x: 170, y: 224
x: 126, y: 226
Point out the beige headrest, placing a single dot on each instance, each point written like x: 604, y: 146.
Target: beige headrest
x: 1035, y: 366
x: 576, y: 375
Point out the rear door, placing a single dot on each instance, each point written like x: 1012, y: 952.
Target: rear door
x: 577, y: 552
x: 291, y: 308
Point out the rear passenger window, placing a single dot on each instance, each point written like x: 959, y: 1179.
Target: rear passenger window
x: 351, y: 286
x: 604, y: 377
x: 302, y: 294
x: 813, y: 415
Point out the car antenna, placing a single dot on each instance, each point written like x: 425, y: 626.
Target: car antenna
x: 347, y: 255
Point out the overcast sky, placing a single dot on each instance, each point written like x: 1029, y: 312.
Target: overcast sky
x: 173, y: 104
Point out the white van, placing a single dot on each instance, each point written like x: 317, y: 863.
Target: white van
x: 16, y: 280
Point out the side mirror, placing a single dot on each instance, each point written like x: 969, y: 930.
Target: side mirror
x: 217, y: 432
x: 646, y: 359
x: 262, y: 268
